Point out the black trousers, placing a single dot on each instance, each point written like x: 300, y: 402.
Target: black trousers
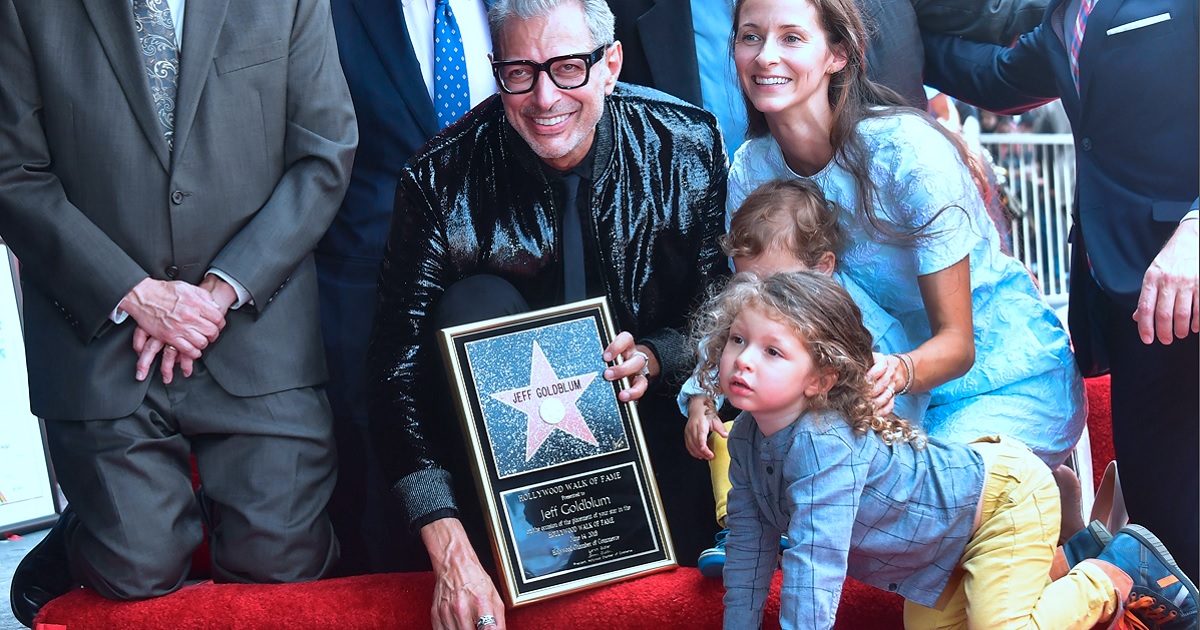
x: 365, y: 514
x: 1156, y: 428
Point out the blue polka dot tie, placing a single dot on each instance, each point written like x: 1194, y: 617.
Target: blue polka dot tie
x: 451, y: 99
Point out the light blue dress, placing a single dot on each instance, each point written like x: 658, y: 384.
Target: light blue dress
x: 1024, y: 383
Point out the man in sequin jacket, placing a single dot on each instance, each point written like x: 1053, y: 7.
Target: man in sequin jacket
x: 484, y: 204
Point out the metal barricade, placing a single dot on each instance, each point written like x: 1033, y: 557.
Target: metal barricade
x: 1037, y: 171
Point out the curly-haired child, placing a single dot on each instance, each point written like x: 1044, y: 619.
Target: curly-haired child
x: 965, y: 532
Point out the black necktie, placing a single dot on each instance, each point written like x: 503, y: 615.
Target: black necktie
x: 574, y: 276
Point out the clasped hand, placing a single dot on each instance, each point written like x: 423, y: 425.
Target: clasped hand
x: 177, y: 319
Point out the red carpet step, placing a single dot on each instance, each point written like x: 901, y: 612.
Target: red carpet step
x: 680, y: 598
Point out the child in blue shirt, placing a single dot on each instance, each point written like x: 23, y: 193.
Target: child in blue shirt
x: 965, y: 532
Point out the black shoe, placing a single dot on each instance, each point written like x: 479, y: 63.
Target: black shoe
x: 44, y: 573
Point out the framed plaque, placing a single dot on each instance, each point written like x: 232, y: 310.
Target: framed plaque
x: 27, y: 497
x: 560, y: 463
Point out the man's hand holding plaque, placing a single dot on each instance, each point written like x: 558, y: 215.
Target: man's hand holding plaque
x: 637, y: 364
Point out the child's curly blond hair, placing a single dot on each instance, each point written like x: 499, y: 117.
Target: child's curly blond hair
x: 828, y: 323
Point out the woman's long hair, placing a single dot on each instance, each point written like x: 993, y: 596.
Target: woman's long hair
x: 854, y: 98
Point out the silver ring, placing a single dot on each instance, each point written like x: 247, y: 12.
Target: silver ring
x: 891, y: 390
x: 645, y: 361
x: 485, y: 621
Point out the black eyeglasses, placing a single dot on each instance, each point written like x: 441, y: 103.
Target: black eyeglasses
x: 566, y: 71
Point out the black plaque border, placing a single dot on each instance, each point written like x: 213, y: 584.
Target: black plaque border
x: 516, y: 588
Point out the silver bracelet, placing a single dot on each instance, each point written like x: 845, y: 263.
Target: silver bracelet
x: 645, y: 362
x: 908, y: 367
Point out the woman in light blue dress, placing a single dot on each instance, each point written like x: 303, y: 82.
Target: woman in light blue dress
x: 991, y: 352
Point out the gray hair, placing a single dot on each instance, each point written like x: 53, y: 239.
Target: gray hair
x: 600, y: 21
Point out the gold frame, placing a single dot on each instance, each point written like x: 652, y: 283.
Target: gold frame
x: 584, y: 453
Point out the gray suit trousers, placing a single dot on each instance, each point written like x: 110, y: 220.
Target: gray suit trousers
x: 267, y: 466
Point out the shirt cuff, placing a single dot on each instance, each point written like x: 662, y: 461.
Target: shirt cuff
x: 117, y: 316
x: 243, y: 296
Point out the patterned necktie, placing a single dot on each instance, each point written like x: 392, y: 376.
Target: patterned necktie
x: 1085, y: 9
x: 450, y: 95
x: 156, y: 33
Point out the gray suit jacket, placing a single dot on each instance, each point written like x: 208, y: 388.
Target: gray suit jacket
x: 92, y: 201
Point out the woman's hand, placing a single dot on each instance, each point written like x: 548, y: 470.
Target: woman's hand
x: 701, y: 421
x: 887, y: 377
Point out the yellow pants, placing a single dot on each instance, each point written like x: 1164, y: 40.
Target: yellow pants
x: 1003, y: 579
x: 718, y: 469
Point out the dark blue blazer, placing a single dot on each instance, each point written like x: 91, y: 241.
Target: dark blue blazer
x: 394, y: 111
x: 1135, y: 122
x: 395, y: 118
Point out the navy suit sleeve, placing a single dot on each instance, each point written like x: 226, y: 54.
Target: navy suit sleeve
x: 1002, y: 80
x: 995, y: 21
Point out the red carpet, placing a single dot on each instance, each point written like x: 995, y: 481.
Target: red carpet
x: 674, y: 599
x: 1099, y: 425
x: 681, y: 598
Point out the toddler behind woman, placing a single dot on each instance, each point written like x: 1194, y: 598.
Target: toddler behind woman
x: 966, y: 533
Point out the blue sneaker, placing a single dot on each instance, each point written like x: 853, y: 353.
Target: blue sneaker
x: 1163, y: 598
x: 712, y: 560
x: 1088, y: 542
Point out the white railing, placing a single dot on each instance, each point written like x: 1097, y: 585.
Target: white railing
x: 1039, y: 174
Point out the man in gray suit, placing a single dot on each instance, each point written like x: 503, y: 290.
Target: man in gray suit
x: 164, y: 177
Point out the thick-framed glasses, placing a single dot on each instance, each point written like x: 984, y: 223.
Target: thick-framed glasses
x: 568, y: 72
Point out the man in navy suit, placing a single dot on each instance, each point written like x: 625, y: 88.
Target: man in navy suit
x: 1133, y: 106
x: 386, y: 47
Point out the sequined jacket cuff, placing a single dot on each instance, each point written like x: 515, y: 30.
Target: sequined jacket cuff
x: 424, y: 493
